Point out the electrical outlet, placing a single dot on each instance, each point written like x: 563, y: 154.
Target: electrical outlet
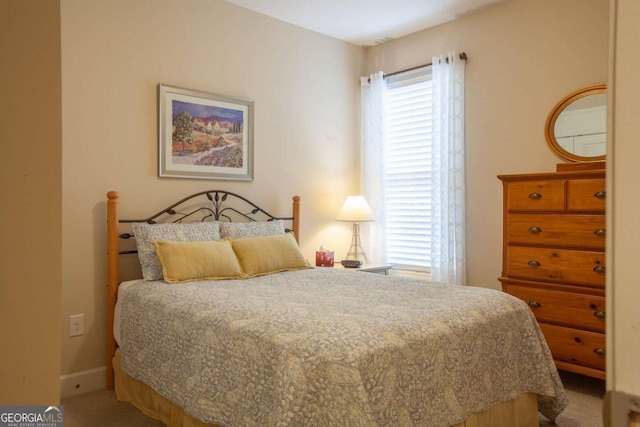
x: 76, y: 325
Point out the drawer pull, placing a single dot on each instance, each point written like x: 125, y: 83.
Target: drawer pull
x: 599, y: 314
x: 534, y: 304
x: 600, y: 195
x: 535, y: 196
x: 534, y: 263
x: 599, y: 351
x: 599, y: 269
x: 600, y: 232
x: 535, y: 230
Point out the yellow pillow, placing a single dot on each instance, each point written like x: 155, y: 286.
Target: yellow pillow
x: 268, y: 254
x: 187, y: 261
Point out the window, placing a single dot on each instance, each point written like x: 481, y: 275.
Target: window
x: 413, y: 166
x: 408, y: 147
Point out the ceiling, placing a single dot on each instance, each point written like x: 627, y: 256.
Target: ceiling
x: 366, y: 22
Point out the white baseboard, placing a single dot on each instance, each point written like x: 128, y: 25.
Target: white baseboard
x: 621, y: 409
x: 83, y: 382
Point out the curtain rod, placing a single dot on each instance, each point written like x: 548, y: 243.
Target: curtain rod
x: 462, y: 55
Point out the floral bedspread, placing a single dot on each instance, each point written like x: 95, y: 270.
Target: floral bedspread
x: 329, y: 347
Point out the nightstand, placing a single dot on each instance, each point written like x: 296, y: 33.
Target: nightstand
x: 371, y: 268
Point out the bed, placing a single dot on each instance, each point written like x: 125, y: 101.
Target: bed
x: 236, y: 329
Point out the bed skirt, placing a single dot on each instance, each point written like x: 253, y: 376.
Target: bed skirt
x: 520, y: 412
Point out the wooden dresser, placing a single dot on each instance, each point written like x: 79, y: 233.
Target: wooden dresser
x: 554, y: 260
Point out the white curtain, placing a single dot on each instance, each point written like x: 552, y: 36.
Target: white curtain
x: 372, y: 165
x: 448, y: 168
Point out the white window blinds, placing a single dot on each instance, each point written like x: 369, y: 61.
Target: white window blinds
x: 408, y: 175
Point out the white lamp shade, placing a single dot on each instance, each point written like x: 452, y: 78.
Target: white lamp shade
x: 355, y: 209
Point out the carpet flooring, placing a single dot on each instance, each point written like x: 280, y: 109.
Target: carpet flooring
x: 585, y: 402
x: 101, y: 409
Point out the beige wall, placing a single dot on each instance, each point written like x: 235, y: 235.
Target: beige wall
x: 524, y: 56
x: 114, y: 54
x: 623, y: 327
x: 30, y: 211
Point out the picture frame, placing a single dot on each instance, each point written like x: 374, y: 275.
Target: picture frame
x: 204, y: 135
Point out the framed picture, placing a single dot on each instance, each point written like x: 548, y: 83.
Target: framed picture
x: 204, y: 135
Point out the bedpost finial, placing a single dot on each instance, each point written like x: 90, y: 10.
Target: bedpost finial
x: 112, y: 195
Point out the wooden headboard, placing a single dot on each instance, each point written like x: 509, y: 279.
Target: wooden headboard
x: 211, y: 205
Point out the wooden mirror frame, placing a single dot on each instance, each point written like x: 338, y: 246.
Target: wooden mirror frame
x: 549, y: 127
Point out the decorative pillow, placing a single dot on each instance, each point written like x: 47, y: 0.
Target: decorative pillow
x: 237, y: 230
x: 268, y: 254
x: 146, y: 234
x: 186, y: 261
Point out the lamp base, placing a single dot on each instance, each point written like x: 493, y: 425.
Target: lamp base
x: 355, y: 251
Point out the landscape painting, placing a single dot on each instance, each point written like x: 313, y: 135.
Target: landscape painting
x: 204, y: 135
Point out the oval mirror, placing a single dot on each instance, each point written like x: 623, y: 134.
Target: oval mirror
x: 576, y: 129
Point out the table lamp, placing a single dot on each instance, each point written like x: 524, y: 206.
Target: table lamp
x: 356, y: 210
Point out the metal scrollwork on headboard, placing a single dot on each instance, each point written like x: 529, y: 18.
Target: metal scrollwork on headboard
x: 216, y: 210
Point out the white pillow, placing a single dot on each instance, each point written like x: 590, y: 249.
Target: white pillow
x: 236, y: 230
x: 147, y: 234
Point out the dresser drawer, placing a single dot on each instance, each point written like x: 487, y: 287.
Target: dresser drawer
x: 575, y: 346
x: 579, y: 231
x: 568, y: 308
x: 556, y: 265
x: 586, y: 195
x: 542, y: 195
